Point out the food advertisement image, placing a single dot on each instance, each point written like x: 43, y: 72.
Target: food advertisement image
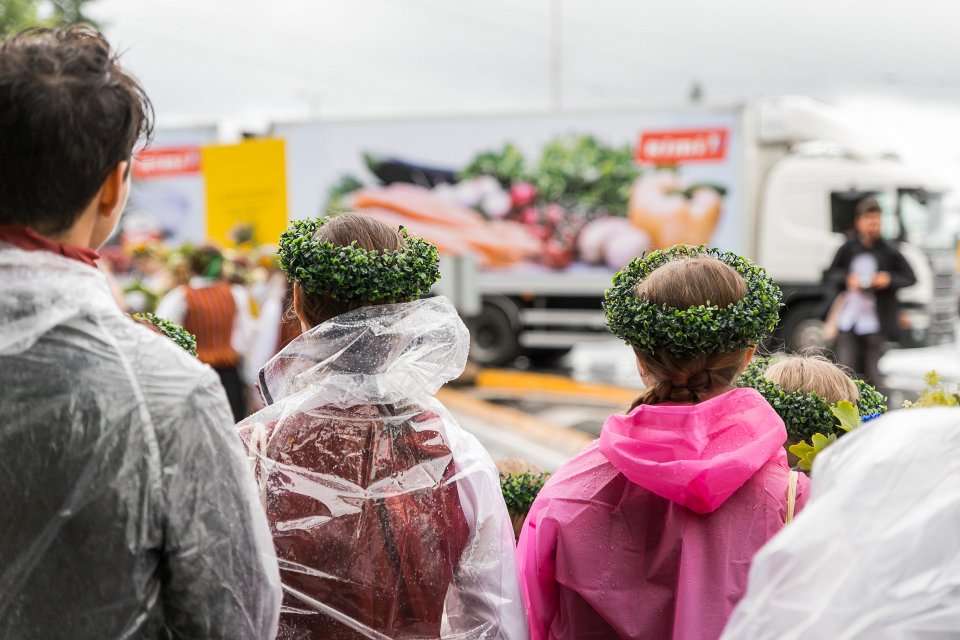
x: 576, y: 202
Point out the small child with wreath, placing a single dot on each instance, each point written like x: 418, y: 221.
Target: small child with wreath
x: 387, y: 517
x: 649, y: 532
x: 817, y: 400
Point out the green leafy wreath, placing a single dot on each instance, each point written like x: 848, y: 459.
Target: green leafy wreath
x: 808, y: 414
x: 353, y: 273
x: 521, y: 489
x: 687, y: 333
x: 186, y: 340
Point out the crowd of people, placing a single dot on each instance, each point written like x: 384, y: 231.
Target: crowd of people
x: 138, y: 499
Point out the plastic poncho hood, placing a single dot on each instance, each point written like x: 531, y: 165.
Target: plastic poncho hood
x: 387, y: 517
x: 875, y: 554
x: 698, y: 455
x: 126, y: 506
x: 380, y: 354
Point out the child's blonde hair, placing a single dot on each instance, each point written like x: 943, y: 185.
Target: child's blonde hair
x: 813, y: 374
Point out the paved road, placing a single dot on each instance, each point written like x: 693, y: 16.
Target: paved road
x: 613, y: 363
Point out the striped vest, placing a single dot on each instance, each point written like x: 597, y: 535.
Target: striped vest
x: 211, y: 314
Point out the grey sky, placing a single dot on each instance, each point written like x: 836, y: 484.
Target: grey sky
x: 205, y: 60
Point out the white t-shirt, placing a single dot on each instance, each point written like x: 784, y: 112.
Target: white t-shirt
x: 859, y: 312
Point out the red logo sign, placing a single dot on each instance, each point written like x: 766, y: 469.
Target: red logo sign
x: 166, y: 161
x: 677, y: 147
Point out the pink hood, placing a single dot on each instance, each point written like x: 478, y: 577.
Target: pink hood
x: 695, y: 455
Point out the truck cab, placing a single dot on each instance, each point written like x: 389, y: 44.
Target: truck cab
x: 808, y: 191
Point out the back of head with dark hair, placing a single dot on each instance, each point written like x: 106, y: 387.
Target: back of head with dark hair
x: 206, y: 261
x: 867, y: 205
x: 341, y: 230
x: 68, y: 116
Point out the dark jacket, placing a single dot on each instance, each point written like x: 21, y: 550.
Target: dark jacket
x: 889, y: 259
x: 127, y: 509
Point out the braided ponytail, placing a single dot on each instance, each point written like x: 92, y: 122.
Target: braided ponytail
x: 688, y: 381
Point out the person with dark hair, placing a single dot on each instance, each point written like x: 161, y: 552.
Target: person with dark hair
x: 649, y: 532
x: 126, y: 506
x: 867, y: 271
x: 218, y: 314
x: 387, y: 516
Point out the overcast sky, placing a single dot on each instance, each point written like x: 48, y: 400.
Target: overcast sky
x: 208, y: 60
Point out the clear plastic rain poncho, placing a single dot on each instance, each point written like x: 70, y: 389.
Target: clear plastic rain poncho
x: 876, y: 552
x: 387, y: 517
x: 127, y: 509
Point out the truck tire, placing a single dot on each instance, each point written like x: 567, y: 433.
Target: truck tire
x: 546, y: 356
x: 802, y: 328
x: 494, y: 333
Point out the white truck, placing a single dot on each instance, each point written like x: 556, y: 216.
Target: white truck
x: 791, y: 172
x: 776, y: 180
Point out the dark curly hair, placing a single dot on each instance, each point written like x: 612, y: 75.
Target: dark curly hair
x: 68, y: 116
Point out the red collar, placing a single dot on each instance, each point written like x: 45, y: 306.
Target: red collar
x: 29, y: 240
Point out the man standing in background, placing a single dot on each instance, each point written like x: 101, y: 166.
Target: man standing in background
x: 867, y: 271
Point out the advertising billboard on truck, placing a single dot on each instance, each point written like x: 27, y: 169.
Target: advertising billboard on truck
x: 532, y: 194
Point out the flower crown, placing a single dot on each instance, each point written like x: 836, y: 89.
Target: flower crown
x: 353, y: 273
x: 806, y: 414
x: 687, y: 333
x: 186, y: 340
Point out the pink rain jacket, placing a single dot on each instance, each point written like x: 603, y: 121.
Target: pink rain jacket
x: 649, y: 532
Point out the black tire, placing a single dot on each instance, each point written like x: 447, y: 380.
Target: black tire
x: 802, y: 328
x: 494, y: 333
x: 546, y: 356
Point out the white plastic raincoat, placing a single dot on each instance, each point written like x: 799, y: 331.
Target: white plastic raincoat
x: 387, y: 516
x: 875, y: 553
x: 127, y: 509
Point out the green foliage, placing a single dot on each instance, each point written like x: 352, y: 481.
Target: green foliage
x: 935, y: 395
x: 581, y: 170
x: 848, y: 418
x: 573, y: 170
x: 521, y: 489
x: 507, y: 165
x: 186, y: 340
x: 871, y: 403
x: 687, y: 333
x: 150, y: 297
x: 806, y: 453
x: 806, y: 414
x: 353, y: 273
x: 346, y: 185
x: 20, y: 14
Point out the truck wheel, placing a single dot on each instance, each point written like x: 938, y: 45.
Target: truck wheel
x: 546, y: 356
x: 803, y: 328
x: 493, y: 333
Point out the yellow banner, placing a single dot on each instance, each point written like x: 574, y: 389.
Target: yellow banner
x: 246, y: 191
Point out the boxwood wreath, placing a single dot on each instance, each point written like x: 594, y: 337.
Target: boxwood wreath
x: 354, y: 273
x: 186, y: 340
x: 807, y: 414
x: 521, y: 489
x: 687, y: 333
